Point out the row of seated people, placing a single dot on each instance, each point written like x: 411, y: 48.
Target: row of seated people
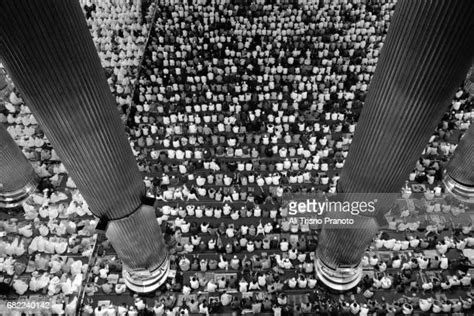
x: 244, y: 222
x: 253, y: 187
x: 258, y: 279
x: 309, y: 304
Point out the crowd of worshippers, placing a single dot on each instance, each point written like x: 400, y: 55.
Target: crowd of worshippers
x: 45, y: 251
x: 235, y: 100
x: 279, y: 74
x: 241, y: 101
x: 263, y: 260
x: 263, y: 93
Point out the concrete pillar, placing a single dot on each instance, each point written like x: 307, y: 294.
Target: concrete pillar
x: 459, y: 176
x: 426, y: 55
x: 17, y: 177
x: 48, y: 51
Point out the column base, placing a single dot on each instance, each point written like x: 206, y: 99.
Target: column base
x: 16, y: 198
x: 138, y: 242
x: 459, y: 191
x: 340, y: 279
x: 147, y: 281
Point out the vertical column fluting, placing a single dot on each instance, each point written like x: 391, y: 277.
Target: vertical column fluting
x: 17, y: 177
x: 48, y: 51
x: 459, y: 177
x: 426, y: 54
x: 469, y: 83
x: 4, y: 84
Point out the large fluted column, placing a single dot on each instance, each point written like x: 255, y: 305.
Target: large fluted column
x: 17, y: 177
x: 459, y: 176
x: 48, y: 52
x: 426, y: 54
